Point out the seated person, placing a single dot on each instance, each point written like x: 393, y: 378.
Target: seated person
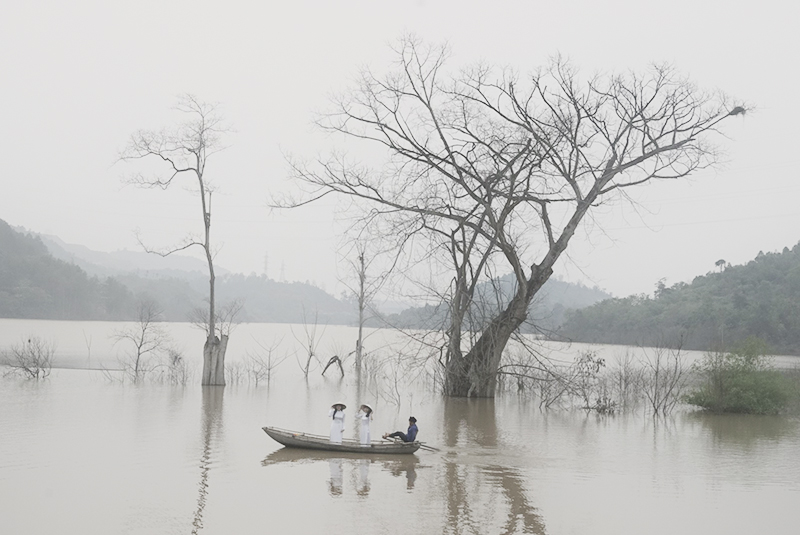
x: 408, y: 436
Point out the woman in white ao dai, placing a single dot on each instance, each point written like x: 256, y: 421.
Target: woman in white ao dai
x: 336, y: 414
x: 365, y: 415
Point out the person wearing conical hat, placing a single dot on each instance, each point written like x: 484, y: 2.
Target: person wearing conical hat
x: 336, y: 414
x: 365, y: 415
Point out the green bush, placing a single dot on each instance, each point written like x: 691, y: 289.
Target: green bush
x: 742, y: 381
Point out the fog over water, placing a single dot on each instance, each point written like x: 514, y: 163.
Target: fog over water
x: 84, y: 454
x: 82, y: 77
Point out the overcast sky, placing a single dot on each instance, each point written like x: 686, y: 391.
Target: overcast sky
x: 77, y: 78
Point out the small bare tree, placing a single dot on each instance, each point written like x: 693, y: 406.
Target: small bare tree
x: 31, y: 358
x: 625, y: 378
x: 362, y: 296
x: 364, y: 291
x: 178, y: 371
x: 309, y: 340
x: 261, y: 364
x: 663, y: 378
x: 184, y: 151
x: 144, y: 340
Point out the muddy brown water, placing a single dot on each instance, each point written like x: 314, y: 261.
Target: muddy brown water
x: 82, y: 454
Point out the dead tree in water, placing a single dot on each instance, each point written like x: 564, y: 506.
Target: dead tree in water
x: 334, y: 360
x: 491, y: 172
x: 309, y: 340
x: 146, y: 339
x: 183, y: 151
x: 32, y: 359
x: 364, y: 291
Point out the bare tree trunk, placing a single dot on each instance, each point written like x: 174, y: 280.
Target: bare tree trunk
x: 214, y: 360
x: 362, y: 302
x: 475, y: 374
x: 214, y: 348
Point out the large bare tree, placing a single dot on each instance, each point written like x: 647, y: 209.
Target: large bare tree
x: 497, y: 171
x: 182, y: 152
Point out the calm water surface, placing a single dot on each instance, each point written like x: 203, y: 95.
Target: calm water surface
x: 82, y: 454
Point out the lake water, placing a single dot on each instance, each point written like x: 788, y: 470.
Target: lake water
x: 80, y: 453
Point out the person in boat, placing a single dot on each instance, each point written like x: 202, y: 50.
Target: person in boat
x: 336, y: 414
x: 409, y: 436
x: 365, y: 415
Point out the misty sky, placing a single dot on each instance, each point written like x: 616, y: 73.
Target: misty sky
x: 79, y: 77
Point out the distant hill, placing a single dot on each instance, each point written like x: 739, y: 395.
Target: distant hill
x: 124, y: 261
x: 545, y: 314
x: 760, y: 298
x: 33, y: 284
x: 44, y: 278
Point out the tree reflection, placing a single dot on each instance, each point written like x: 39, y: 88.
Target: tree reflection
x: 211, y: 429
x: 474, y: 421
x: 473, y: 417
x: 520, y: 510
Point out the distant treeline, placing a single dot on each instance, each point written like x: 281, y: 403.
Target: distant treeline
x: 715, y: 311
x: 35, y: 285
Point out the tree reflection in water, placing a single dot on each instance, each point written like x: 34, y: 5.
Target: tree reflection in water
x: 211, y: 429
x: 468, y: 422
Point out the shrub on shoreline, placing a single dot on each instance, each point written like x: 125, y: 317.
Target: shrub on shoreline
x: 741, y: 381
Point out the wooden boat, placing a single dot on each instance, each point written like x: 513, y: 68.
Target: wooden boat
x: 294, y: 439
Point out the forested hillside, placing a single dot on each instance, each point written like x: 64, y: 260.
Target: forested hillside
x: 33, y: 284
x: 717, y: 310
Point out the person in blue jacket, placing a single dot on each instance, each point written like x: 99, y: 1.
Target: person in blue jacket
x: 409, y: 436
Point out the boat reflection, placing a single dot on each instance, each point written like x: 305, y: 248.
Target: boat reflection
x: 358, y: 466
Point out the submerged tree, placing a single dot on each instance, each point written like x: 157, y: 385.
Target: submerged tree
x: 363, y: 291
x: 183, y: 151
x: 490, y: 171
x: 144, y: 339
x: 32, y: 359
